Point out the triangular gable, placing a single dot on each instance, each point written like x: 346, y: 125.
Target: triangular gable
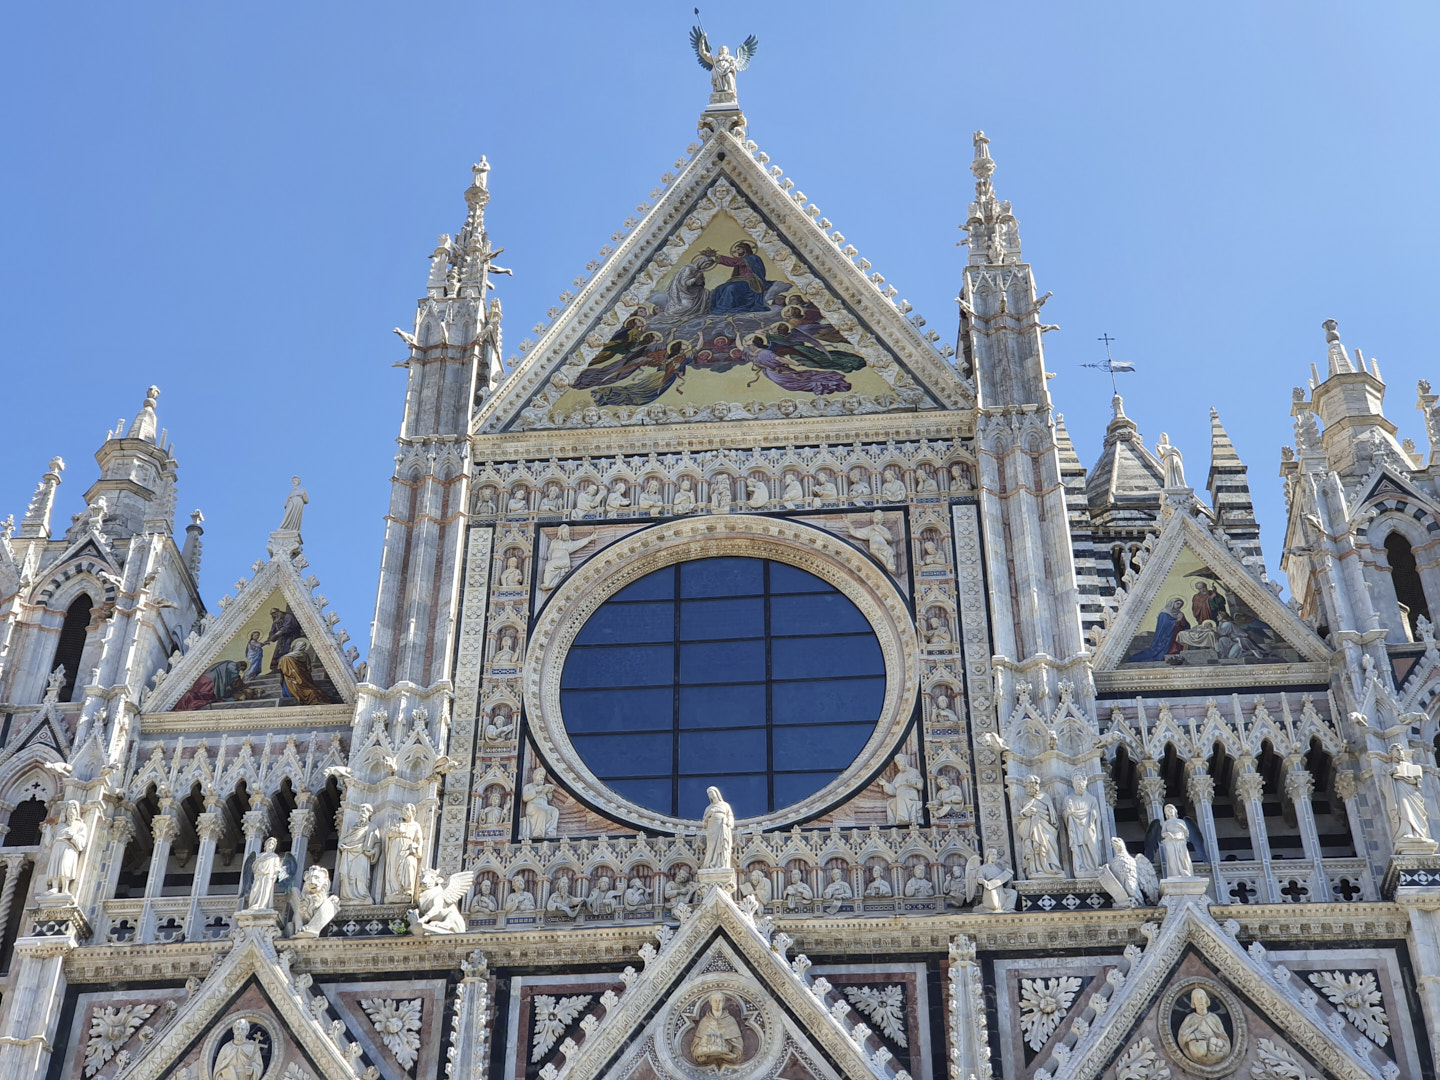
x: 716, y: 934
x: 836, y: 344
x: 1107, y: 1026
x: 1229, y: 619
x: 220, y: 657
x: 1387, y: 483
x: 303, y: 1017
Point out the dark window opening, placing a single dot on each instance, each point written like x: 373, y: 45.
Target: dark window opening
x: 25, y: 822
x: 72, y: 644
x: 754, y: 676
x: 1406, y: 580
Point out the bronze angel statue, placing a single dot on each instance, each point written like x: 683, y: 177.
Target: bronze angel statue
x: 723, y: 66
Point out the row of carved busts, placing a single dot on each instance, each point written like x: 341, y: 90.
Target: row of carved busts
x: 721, y: 491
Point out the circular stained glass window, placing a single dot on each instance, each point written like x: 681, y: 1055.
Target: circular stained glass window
x: 748, y: 674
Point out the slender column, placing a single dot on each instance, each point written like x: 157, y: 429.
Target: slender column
x: 1200, y: 786
x: 1249, y: 786
x: 1152, y: 789
x: 1346, y: 788
x: 122, y: 830
x: 302, y: 824
x: 1108, y: 796
x: 210, y: 826
x: 31, y: 1010
x: 164, y: 828
x: 13, y: 864
x: 1300, y: 786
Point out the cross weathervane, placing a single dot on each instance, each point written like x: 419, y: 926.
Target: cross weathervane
x: 1110, y: 365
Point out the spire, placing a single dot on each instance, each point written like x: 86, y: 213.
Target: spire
x: 137, y: 476
x: 190, y: 554
x: 144, y: 426
x: 994, y: 232
x: 1127, y: 474
x: 1229, y: 486
x: 37, y: 514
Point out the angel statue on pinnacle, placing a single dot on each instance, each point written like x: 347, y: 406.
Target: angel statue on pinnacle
x: 723, y: 66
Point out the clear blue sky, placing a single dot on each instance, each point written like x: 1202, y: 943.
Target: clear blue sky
x: 236, y: 202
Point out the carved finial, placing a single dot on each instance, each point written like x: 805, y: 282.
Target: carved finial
x: 1339, y: 362
x: 144, y: 425
x: 1117, y: 404
x: 984, y: 165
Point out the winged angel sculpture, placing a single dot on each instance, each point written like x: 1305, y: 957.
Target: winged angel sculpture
x: 723, y: 66
x: 437, y: 903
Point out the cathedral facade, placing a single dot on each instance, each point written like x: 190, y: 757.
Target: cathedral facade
x: 949, y: 756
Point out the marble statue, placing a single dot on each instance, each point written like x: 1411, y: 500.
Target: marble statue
x: 495, y: 811
x: 651, y: 500
x: 1039, y: 833
x: 758, y: 885
x: 500, y: 725
x: 824, y: 490
x: 759, y: 494
x: 892, y: 488
x: 798, y: 892
x: 931, y: 554
x: 1082, y: 827
x: 721, y: 495
x: 359, y: 848
x: 877, y: 536
x: 1129, y: 879
x: 557, y: 556
x: 1202, y: 1036
x: 949, y: 799
x: 1169, y: 456
x: 294, y: 507
x: 791, y: 493
x: 1410, y: 817
x: 240, y: 1058
x: 637, y: 895
x: 717, y: 1040
x: 685, y: 497
x: 988, y: 884
x: 541, y: 819
x: 267, y: 870
x: 680, y: 889
x: 484, y: 902
x: 723, y: 66
x: 878, y: 887
x: 562, y: 901
x: 837, y: 892
x: 552, y: 501
x: 519, y: 501
x: 314, y: 904
x: 619, y: 499
x: 505, y: 652
x: 589, y: 502
x: 67, y: 843
x: 1175, y: 844
x: 512, y: 575
x: 861, y: 487
x: 719, y: 827
x: 437, y: 903
x: 603, y: 900
x: 919, y: 887
x: 402, y: 857
x: 906, y: 790
x: 520, y: 898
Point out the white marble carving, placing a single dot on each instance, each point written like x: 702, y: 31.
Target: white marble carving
x: 359, y: 848
x: 437, y: 905
x: 402, y: 857
x: 1175, y: 844
x: 315, y: 905
x: 552, y: 1017
x: 884, y: 1007
x: 877, y: 538
x: 905, y: 789
x: 540, y: 819
x: 397, y: 1022
x: 1082, y: 826
x: 1141, y: 1062
x: 1356, y: 995
x: 1039, y: 833
x: 558, y: 556
x: 1043, y: 1005
x: 110, y: 1029
x: 68, y: 840
x: 718, y: 824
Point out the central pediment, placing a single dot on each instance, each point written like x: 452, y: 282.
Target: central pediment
x: 728, y: 301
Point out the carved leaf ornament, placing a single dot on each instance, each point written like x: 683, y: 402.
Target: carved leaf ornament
x: 552, y: 1017
x: 1043, y: 1004
x: 884, y: 1006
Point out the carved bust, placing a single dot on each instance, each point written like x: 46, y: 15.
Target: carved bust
x: 717, y: 1035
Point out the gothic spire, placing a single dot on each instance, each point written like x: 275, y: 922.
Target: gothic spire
x: 1339, y: 361
x: 994, y: 232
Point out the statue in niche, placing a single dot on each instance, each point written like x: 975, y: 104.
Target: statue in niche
x: 541, y: 820
x: 294, y: 507
x: 553, y: 501
x: 484, y: 902
x: 520, y: 898
x: 1175, y: 844
x: 925, y: 482
x: 619, y: 498
x: 680, y: 889
x: 798, y: 892
x: 824, y: 490
x: 943, y: 714
x: 936, y: 632
x: 792, y: 494
x: 500, y: 725
x: 877, y: 536
x: 919, y: 887
x: 906, y: 790
x: 265, y: 870
x: 861, y: 487
x: 512, y: 575
x: 437, y: 903
x: 241, y: 1057
x: 314, y: 904
x: 932, y: 555
x: 1039, y: 833
x: 589, y: 502
x: 603, y: 900
x: 355, y: 864
x: 837, y: 892
x: 1202, y: 1037
x: 759, y: 887
x: 949, y: 798
x: 495, y: 811
x: 558, y: 556
x: 685, y: 497
x: 651, y: 499
x: 719, y: 826
x: 68, y: 840
x: 519, y: 501
x: 1082, y: 826
x: 402, y: 857
x: 720, y: 494
x: 637, y: 895
x: 1410, y: 817
x: 717, y: 1039
x: 878, y: 887
x: 759, y: 493
x: 562, y: 901
x: 505, y: 652
x: 892, y: 488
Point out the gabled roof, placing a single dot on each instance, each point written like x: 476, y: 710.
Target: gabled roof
x: 1207, y: 560
x: 723, y: 193
x: 279, y: 574
x: 1280, y: 996
x: 719, y: 941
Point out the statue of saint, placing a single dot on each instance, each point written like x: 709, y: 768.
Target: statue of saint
x: 1175, y: 844
x: 877, y: 536
x: 67, y: 844
x: 717, y: 1038
x: 541, y: 820
x: 1082, y: 824
x: 1411, y: 819
x: 267, y: 869
x: 1169, y: 455
x: 402, y: 857
x: 294, y: 507
x: 359, y: 848
x: 1202, y: 1036
x: 557, y: 557
x: 719, y: 825
x: 723, y: 66
x: 905, y: 790
x: 1039, y: 833
x: 240, y: 1058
